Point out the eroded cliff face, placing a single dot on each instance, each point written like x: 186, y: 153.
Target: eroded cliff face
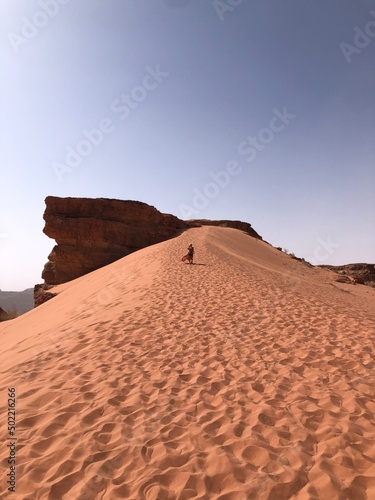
x: 91, y: 233
x: 236, y: 224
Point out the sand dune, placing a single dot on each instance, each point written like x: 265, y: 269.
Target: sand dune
x: 246, y: 376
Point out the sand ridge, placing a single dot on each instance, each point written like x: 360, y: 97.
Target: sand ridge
x: 246, y: 375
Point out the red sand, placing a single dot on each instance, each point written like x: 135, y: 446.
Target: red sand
x: 246, y: 376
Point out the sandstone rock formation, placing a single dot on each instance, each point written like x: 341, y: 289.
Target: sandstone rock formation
x: 236, y: 224
x: 362, y: 274
x: 91, y: 233
x: 41, y: 294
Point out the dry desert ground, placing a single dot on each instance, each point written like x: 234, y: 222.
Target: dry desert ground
x: 248, y: 375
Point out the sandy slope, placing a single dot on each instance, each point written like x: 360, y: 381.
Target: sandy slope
x: 248, y: 375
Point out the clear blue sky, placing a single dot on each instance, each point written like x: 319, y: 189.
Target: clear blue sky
x: 183, y: 89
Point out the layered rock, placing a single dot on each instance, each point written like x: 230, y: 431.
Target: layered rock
x: 362, y: 274
x: 91, y: 233
x: 41, y: 294
x: 236, y: 224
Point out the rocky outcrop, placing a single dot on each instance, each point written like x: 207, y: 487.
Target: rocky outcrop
x: 362, y: 274
x: 3, y: 315
x: 236, y: 224
x: 41, y: 294
x: 91, y: 233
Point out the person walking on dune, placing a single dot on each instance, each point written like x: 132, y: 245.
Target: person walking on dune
x: 190, y: 253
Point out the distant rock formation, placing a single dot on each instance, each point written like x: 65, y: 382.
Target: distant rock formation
x: 236, y: 224
x: 17, y: 302
x: 91, y: 233
x: 362, y: 274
